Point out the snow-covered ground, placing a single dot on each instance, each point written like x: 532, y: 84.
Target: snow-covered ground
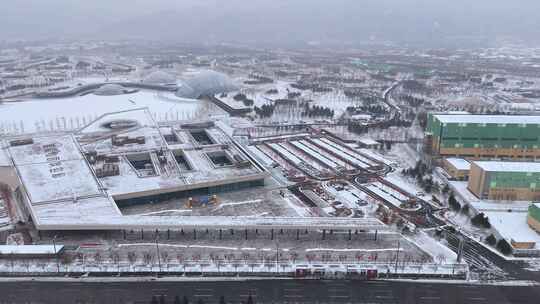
x: 214, y: 267
x: 440, y: 252
x: 74, y: 112
x: 508, y: 219
x: 347, y: 155
x: 513, y: 226
x: 353, y: 198
x: 389, y: 194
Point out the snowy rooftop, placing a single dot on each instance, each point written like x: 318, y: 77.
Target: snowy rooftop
x: 368, y: 141
x: 459, y: 163
x: 513, y: 226
x: 59, y: 171
x: 167, y: 176
x: 30, y: 249
x: 500, y: 166
x: 488, y: 119
x: 79, y: 210
x: 52, y: 169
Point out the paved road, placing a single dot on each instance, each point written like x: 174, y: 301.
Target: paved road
x: 267, y: 291
x: 425, y: 212
x: 488, y: 263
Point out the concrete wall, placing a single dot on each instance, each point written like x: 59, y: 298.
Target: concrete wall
x: 533, y: 223
x: 8, y: 176
x: 480, y: 153
x: 455, y: 172
x: 476, y: 180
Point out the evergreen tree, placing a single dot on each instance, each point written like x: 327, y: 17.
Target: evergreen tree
x: 491, y: 240
x: 504, y: 247
x: 465, y: 209
x: 453, y: 203
x: 445, y: 189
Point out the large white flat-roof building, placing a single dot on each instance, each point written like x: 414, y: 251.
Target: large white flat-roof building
x: 122, y: 158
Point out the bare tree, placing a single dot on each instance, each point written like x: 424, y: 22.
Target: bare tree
x: 132, y: 257
x: 97, y: 257
x: 115, y: 258
x: 180, y: 258
x: 246, y: 256
x: 165, y: 258
x: 293, y: 256
x: 147, y: 258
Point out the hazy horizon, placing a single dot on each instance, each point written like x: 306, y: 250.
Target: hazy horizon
x: 432, y: 22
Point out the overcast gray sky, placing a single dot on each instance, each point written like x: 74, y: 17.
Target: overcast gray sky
x: 270, y: 20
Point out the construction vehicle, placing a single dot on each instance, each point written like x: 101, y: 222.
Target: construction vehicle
x: 202, y: 201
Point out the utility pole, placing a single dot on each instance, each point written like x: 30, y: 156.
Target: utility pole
x: 277, y: 257
x: 460, y: 249
x: 158, y: 256
x: 397, y: 256
x: 56, y: 254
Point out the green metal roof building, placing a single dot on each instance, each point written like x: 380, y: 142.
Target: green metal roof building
x: 505, y: 180
x: 533, y: 218
x: 480, y: 136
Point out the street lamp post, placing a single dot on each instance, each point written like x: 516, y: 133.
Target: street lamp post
x: 397, y: 257
x: 158, y: 256
x: 277, y: 257
x: 56, y: 254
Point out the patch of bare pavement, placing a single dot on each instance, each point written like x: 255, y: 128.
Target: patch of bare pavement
x: 262, y: 291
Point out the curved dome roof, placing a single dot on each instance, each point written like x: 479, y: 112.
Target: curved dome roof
x: 205, y: 83
x: 109, y: 89
x: 159, y: 77
x: 185, y: 91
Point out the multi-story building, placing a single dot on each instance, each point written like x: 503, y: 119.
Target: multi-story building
x: 533, y: 217
x: 484, y: 136
x: 495, y: 180
x: 457, y: 168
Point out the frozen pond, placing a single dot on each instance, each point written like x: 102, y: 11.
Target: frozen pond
x: 39, y: 115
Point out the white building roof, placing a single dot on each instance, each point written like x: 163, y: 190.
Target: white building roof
x: 459, y: 163
x: 488, y: 119
x: 62, y: 189
x: 52, y: 168
x: 500, y: 166
x: 368, y: 141
x: 513, y: 226
x: 30, y: 249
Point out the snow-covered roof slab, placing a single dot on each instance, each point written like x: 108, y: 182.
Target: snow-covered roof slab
x: 488, y: 119
x: 30, y: 249
x: 459, y: 163
x: 212, y: 222
x: 53, y: 169
x: 73, y: 181
x: 513, y: 226
x: 500, y: 166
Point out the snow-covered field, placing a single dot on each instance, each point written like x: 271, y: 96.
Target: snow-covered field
x: 38, y: 115
x: 326, y: 159
x: 388, y: 193
x: 353, y: 198
x: 331, y: 146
